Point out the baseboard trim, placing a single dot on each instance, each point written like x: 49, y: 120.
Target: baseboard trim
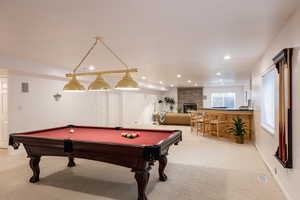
x: 3, y: 144
x: 286, y: 194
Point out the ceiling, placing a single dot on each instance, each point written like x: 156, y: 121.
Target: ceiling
x: 162, y: 38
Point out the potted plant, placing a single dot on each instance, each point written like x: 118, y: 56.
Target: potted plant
x: 238, y: 130
x: 179, y: 109
x: 160, y: 101
x: 160, y: 104
x: 171, y: 102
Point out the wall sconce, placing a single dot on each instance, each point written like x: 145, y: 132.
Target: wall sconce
x: 57, y: 96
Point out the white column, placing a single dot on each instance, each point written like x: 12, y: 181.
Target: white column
x: 3, y: 112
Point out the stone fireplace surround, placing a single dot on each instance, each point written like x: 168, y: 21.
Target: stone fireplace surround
x: 189, y: 96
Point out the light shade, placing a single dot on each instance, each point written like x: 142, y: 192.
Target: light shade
x: 73, y: 85
x: 127, y: 83
x: 99, y: 85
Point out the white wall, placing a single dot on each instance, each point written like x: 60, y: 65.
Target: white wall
x: 3, y: 109
x: 37, y: 109
x: 138, y: 108
x: 238, y: 90
x: 288, y: 179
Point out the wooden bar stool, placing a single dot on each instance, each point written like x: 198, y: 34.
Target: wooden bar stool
x: 202, y: 123
x: 216, y: 124
x: 199, y: 122
x: 193, y: 121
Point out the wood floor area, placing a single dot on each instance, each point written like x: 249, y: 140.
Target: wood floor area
x: 203, y: 168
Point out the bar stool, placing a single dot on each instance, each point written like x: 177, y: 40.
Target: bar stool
x: 216, y: 124
x: 202, y: 123
x: 199, y: 122
x: 193, y: 115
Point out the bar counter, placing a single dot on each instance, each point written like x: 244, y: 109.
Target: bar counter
x: 230, y: 113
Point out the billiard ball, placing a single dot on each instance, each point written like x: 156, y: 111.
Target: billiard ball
x: 130, y: 135
x: 72, y: 130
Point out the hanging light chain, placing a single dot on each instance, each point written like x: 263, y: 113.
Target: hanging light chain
x: 114, y: 54
x: 86, y: 55
x: 107, y: 47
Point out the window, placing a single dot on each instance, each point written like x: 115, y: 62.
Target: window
x: 268, y: 101
x: 223, y: 100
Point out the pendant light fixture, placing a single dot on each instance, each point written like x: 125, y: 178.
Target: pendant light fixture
x: 127, y: 83
x: 99, y: 85
x: 73, y: 85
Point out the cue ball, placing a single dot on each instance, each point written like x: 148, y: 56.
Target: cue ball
x: 72, y: 131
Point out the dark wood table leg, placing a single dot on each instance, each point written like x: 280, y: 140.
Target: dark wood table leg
x: 71, y: 162
x: 142, y: 178
x: 163, y: 161
x: 34, y: 165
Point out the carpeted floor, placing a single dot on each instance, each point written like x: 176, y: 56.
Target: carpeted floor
x: 200, y: 168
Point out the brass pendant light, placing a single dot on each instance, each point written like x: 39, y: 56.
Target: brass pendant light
x: 99, y: 85
x: 73, y: 85
x: 127, y: 83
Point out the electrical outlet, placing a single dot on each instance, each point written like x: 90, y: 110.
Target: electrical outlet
x: 263, y: 178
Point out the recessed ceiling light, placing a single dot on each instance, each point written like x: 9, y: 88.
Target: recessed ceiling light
x: 178, y: 75
x: 171, y: 85
x: 218, y: 73
x: 160, y: 82
x: 189, y: 81
x: 227, y: 57
x: 91, y: 67
x: 144, y: 77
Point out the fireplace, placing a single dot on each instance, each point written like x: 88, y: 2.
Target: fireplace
x: 189, y: 107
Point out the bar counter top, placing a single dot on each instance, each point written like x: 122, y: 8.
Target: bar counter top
x: 225, y: 109
x: 230, y: 111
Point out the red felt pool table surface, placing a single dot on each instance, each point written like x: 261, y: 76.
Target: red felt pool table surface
x: 111, y: 135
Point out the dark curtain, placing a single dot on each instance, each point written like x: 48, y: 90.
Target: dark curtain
x: 283, y: 62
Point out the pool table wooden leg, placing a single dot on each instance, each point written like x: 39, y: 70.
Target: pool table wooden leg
x: 34, y: 165
x: 163, y: 161
x: 142, y: 178
x: 71, y: 162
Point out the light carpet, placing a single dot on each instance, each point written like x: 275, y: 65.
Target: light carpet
x: 199, y: 168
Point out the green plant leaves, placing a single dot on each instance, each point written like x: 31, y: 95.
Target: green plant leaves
x: 238, y: 128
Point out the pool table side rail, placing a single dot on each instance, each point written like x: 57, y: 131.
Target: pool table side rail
x: 121, y: 128
x: 91, y: 127
x: 42, y: 130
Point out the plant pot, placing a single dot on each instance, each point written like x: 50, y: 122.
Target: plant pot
x: 239, y: 139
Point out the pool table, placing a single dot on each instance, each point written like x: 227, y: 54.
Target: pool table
x: 104, y: 144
